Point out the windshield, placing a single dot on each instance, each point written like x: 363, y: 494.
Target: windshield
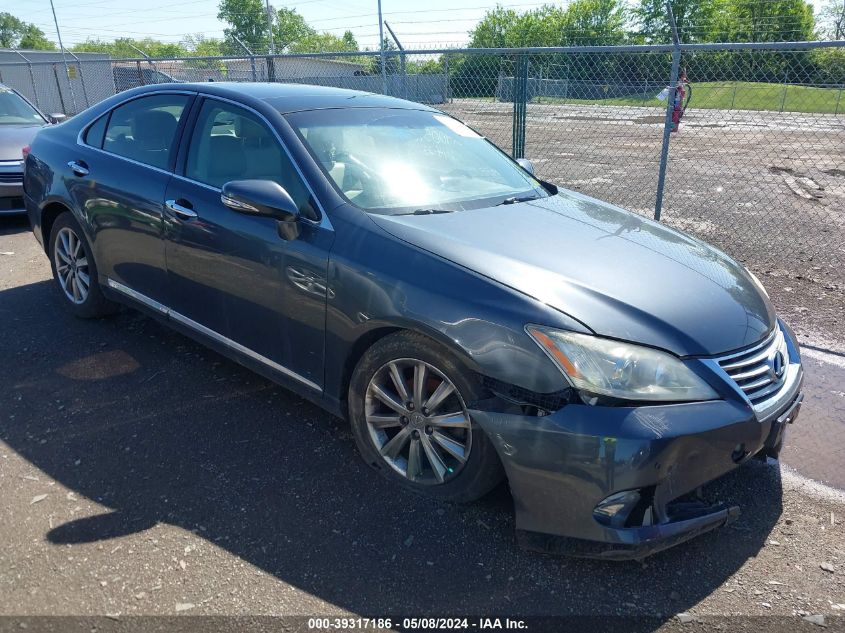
x: 16, y: 111
x: 410, y: 161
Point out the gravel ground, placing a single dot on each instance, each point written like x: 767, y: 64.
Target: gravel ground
x: 143, y: 474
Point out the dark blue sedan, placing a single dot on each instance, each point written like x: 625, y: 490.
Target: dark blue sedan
x: 472, y: 322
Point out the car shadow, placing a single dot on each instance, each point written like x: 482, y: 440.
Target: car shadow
x: 13, y: 224
x: 161, y: 430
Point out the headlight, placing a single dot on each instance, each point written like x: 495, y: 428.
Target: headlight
x: 620, y: 370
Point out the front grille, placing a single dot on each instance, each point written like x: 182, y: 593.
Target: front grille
x: 11, y: 177
x: 755, y: 370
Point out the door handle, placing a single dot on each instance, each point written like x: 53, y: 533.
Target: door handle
x: 180, y: 210
x: 78, y: 167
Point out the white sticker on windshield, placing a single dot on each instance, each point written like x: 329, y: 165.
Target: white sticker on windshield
x: 456, y: 126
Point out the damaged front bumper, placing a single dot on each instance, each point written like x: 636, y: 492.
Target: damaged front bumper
x: 612, y: 482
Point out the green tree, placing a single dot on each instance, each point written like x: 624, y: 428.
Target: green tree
x: 247, y: 21
x: 290, y: 29
x: 694, y: 19
x: 325, y: 43
x: 770, y: 21
x: 594, y: 23
x: 202, y: 46
x: 391, y: 60
x: 582, y: 22
x: 833, y: 20
x: 124, y: 47
x: 15, y: 33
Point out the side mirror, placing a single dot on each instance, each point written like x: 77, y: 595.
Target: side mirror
x: 57, y: 117
x: 265, y: 198
x: 526, y: 164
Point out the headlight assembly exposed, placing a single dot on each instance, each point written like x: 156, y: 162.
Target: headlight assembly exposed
x: 606, y: 367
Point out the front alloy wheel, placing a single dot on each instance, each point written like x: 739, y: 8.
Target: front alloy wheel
x: 418, y: 421
x: 71, y: 262
x: 408, y: 400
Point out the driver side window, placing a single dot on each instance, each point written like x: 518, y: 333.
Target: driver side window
x: 232, y: 143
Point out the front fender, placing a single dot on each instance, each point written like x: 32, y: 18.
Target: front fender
x: 378, y: 282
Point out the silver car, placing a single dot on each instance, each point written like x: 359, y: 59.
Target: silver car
x: 19, y: 122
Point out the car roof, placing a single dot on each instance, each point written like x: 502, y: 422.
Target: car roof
x: 287, y: 98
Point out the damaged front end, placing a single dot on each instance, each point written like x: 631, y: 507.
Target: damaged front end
x: 620, y: 482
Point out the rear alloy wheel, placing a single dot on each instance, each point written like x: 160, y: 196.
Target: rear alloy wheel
x: 408, y: 409
x: 71, y: 260
x: 418, y: 421
x: 75, y: 270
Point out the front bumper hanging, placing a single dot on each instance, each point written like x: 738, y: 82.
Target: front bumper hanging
x: 570, y: 470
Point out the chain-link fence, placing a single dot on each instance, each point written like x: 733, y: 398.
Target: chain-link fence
x: 756, y: 164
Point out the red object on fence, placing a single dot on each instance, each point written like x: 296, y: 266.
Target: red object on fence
x: 678, y: 110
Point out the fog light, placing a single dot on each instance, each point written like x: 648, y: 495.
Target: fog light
x: 615, y: 509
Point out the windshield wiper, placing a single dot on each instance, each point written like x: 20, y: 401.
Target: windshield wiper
x: 425, y: 212
x: 516, y: 199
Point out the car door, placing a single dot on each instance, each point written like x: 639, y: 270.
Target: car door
x: 232, y: 276
x: 118, y: 179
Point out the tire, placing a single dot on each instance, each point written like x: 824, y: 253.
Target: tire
x: 71, y: 269
x: 464, y: 466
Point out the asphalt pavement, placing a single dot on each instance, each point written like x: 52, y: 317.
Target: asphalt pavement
x: 141, y: 473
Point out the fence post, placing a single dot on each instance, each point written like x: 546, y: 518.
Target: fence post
x: 448, y: 96
x: 32, y: 78
x: 82, y: 79
x: 785, y: 86
x: 59, y: 87
x: 667, y: 123
x: 838, y: 99
x: 251, y: 58
x: 520, y: 90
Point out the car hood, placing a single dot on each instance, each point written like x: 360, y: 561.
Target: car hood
x: 621, y: 275
x: 13, y: 138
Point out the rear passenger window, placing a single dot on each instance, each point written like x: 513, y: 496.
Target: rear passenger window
x: 231, y: 143
x: 95, y: 133
x: 144, y: 129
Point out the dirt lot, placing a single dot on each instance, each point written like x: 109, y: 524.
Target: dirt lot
x: 142, y: 474
x: 766, y: 187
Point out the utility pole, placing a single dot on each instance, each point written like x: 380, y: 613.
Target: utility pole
x: 270, y: 28
x: 64, y: 57
x: 381, y: 50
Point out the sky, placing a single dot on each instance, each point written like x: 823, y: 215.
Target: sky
x: 417, y: 23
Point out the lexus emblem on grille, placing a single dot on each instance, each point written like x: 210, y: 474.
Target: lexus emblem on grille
x: 777, y: 365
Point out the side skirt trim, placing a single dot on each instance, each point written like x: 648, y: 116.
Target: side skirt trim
x: 198, y: 327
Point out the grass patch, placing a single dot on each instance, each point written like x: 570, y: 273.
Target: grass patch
x: 736, y: 95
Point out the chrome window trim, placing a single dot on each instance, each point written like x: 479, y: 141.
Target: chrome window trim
x: 198, y: 327
x: 84, y: 129
x: 323, y: 221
